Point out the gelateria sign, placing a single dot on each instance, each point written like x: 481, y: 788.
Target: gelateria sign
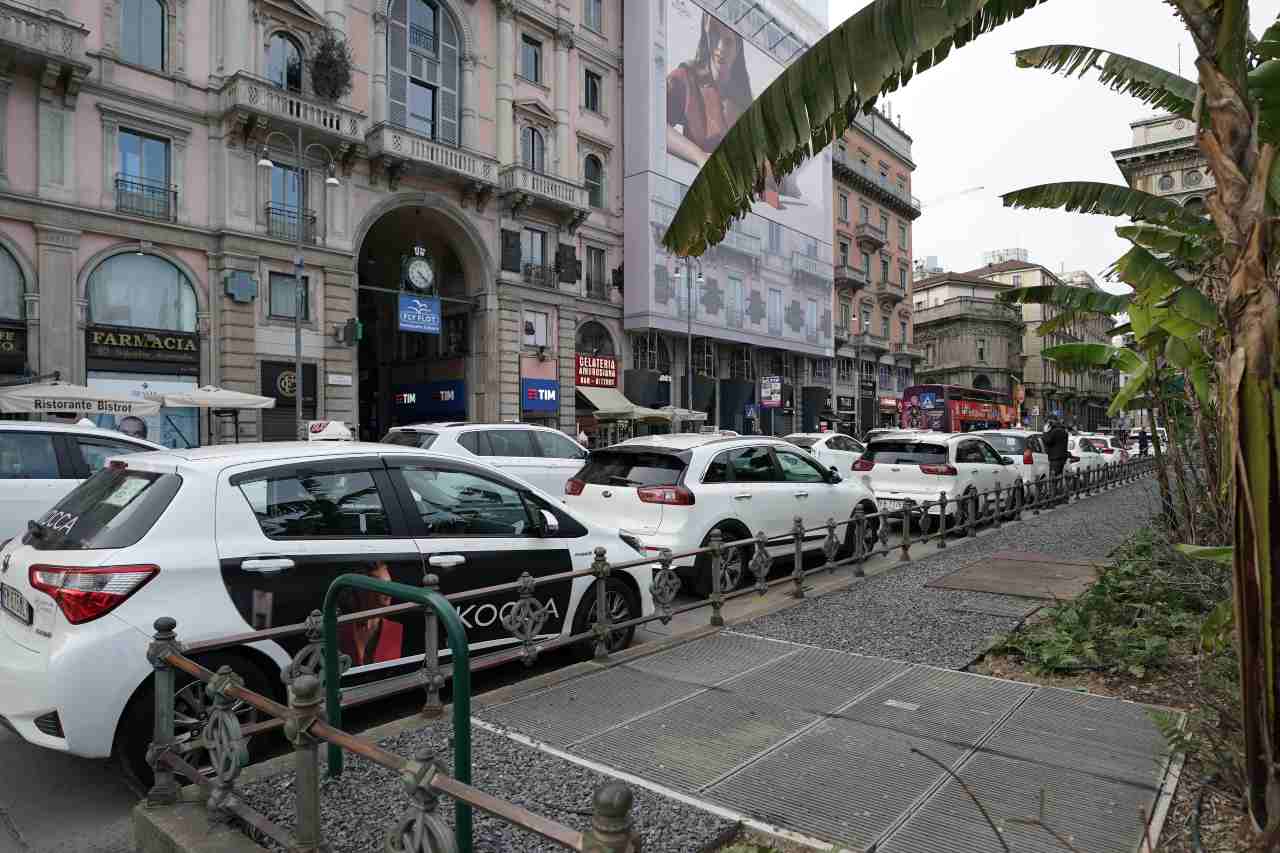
x: 175, y: 350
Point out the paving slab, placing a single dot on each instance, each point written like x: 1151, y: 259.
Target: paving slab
x: 1022, y: 574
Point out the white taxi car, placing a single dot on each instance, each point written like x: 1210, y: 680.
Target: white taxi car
x: 924, y: 466
x: 1027, y: 449
x: 539, y: 455
x: 832, y: 449
x: 673, y: 491
x: 230, y: 538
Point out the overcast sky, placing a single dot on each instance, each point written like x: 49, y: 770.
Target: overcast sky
x: 977, y: 120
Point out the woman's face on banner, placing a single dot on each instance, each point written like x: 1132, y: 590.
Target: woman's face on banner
x: 723, y: 44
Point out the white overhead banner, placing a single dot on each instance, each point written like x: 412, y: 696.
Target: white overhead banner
x: 62, y: 398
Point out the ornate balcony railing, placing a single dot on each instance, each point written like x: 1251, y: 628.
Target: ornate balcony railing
x: 850, y: 276
x: 856, y: 172
x: 543, y: 275
x: 285, y: 222
x: 246, y: 92
x: 596, y: 287
x: 541, y: 187
x: 967, y: 306
x: 34, y: 31
x: 446, y: 160
x: 869, y: 236
x: 802, y: 263
x: 142, y: 197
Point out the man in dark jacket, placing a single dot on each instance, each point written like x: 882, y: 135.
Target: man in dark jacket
x: 1143, y: 441
x: 1055, y: 447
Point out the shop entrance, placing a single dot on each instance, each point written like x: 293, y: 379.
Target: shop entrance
x: 416, y: 323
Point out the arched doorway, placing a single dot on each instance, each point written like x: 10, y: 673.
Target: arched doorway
x: 982, y: 381
x: 422, y: 356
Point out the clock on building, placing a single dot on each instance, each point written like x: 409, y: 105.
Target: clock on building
x: 419, y: 273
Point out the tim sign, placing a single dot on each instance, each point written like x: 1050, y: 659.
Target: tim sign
x: 540, y: 395
x: 597, y: 371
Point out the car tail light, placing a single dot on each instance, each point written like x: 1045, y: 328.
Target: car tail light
x: 87, y: 594
x: 1073, y: 458
x: 672, y: 495
x: 574, y: 487
x: 1108, y: 450
x: 1027, y: 458
x: 939, y: 470
x: 863, y: 465
x: 117, y: 465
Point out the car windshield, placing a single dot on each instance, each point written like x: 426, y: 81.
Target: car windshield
x: 616, y: 468
x: 1006, y: 443
x: 909, y: 452
x: 802, y: 440
x: 410, y: 438
x: 112, y: 509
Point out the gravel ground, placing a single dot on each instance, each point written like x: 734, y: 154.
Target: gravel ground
x: 357, y: 810
x: 892, y: 615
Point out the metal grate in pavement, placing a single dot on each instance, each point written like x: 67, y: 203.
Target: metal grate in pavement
x: 843, y: 781
x: 713, y: 659
x: 694, y: 742
x: 586, y: 706
x: 815, y: 680
x: 939, y: 704
x: 1098, y: 816
x: 1091, y: 734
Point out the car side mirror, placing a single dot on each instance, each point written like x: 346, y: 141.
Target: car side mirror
x: 550, y: 524
x: 1006, y: 460
x: 833, y: 476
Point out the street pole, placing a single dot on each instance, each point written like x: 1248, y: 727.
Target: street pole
x: 298, y: 301
x: 688, y: 365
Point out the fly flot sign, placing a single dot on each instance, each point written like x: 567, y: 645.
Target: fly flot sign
x: 420, y: 314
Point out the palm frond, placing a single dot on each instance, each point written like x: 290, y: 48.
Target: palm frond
x: 1076, y: 358
x: 818, y: 95
x: 1162, y: 90
x: 1066, y: 296
x: 1133, y: 388
x: 1109, y: 200
x: 1165, y: 241
x: 1150, y: 278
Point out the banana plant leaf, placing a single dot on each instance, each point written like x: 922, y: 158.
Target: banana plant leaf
x: 1080, y: 357
x: 1134, y: 387
x: 1166, y: 241
x: 1066, y: 296
x: 1149, y: 276
x: 1109, y: 200
x: 1162, y: 90
x: 1217, y: 553
x: 818, y: 95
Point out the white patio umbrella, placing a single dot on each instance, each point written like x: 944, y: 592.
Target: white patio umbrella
x: 219, y: 401
x: 59, y: 397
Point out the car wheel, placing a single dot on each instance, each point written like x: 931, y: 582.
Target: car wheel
x: 621, y: 603
x: 870, y: 537
x: 191, y: 712
x: 735, y: 563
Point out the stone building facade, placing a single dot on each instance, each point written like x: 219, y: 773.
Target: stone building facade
x: 1165, y: 161
x: 152, y: 198
x: 968, y: 337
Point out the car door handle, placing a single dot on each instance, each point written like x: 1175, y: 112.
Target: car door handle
x: 742, y: 497
x: 266, y: 565
x: 802, y: 494
x: 446, y: 561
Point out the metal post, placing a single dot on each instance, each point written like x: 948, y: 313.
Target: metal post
x: 610, y: 830
x: 432, y: 678
x: 797, y: 566
x: 998, y: 511
x: 688, y: 376
x: 859, y: 541
x: 307, y: 702
x: 299, y: 295
x: 972, y: 515
x: 717, y: 594
x: 164, y: 790
x: 942, y: 520
x: 908, y: 508
x: 600, y: 568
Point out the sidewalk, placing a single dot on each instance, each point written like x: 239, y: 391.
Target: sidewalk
x: 777, y: 723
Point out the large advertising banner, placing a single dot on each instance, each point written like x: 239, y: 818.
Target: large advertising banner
x: 713, y: 75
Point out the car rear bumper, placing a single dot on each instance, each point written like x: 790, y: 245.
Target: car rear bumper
x: 889, y: 501
x: 26, y: 693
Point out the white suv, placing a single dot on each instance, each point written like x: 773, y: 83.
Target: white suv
x: 923, y: 466
x: 1026, y: 447
x: 539, y: 455
x: 672, y: 491
x: 232, y: 538
x: 41, y: 462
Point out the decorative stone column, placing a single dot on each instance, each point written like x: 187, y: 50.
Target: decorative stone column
x: 564, y: 91
x: 470, y: 129
x: 56, y: 265
x: 5, y: 84
x: 380, y: 64
x: 506, y: 80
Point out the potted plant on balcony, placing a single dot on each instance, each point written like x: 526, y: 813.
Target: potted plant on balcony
x: 330, y: 66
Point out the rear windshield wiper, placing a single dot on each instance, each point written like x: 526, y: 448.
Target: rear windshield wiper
x: 619, y: 480
x: 36, y: 529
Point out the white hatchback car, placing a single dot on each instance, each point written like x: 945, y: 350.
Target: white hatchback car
x: 830, y: 448
x: 231, y: 538
x: 1086, y: 454
x: 922, y: 467
x: 539, y: 455
x: 673, y: 491
x: 1027, y: 449
x: 41, y: 462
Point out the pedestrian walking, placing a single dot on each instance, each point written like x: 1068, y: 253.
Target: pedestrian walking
x: 1055, y: 447
x: 582, y: 437
x: 1143, y: 441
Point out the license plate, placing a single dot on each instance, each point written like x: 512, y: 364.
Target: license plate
x: 890, y: 504
x: 13, y: 603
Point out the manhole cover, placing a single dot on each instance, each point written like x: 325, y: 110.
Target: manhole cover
x: 1021, y: 574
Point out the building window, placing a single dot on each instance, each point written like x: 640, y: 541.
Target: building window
x: 531, y: 59
x: 284, y: 63
x: 1017, y: 280
x: 594, y: 339
x: 844, y: 207
x: 884, y: 270
x: 902, y: 237
x: 592, y: 86
x: 533, y: 149
x: 596, y: 284
x: 423, y: 70
x: 884, y: 328
x: 1166, y: 183
x: 775, y: 312
x: 142, y: 184
x: 885, y: 379
x: 811, y: 319
x: 593, y: 177
x: 866, y: 265
x: 593, y: 15
x: 844, y: 254
x: 533, y: 246
x: 884, y: 225
x: 142, y: 32
x: 864, y: 213
x: 736, y: 302
x: 535, y: 328
x: 145, y: 291
x: 422, y: 109
x: 982, y: 350
x: 287, y: 215
x: 902, y: 328
x: 282, y: 296
x: 868, y: 370
x: 775, y: 238
x: 866, y: 319
x: 846, y: 315
x: 902, y: 277
x: 13, y: 285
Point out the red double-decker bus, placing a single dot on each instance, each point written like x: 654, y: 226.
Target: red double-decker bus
x: 954, y: 408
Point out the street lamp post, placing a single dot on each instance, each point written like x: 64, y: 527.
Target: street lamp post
x: 688, y: 371
x: 299, y: 294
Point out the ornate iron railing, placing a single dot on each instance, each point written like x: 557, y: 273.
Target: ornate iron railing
x: 307, y: 722
x: 146, y: 198
x: 284, y: 222
x: 543, y: 275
